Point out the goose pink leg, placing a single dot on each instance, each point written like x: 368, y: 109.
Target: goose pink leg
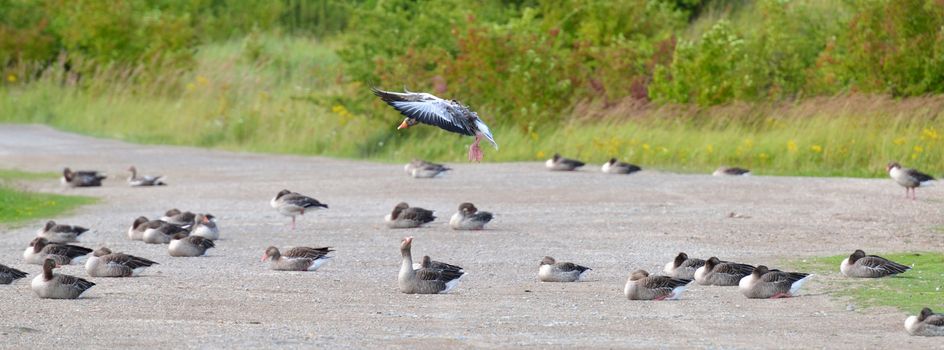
x: 475, y: 152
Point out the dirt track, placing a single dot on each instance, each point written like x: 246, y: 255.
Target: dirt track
x: 611, y: 223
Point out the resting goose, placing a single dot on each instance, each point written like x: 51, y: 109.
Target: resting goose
x: 430, y: 278
x: 469, y: 218
x: 764, y: 283
x: 289, y: 203
x: 422, y: 169
x: 641, y: 286
x: 176, y: 217
x: 683, y: 266
x: 732, y: 171
x: 297, y: 259
x: 50, y: 285
x: 83, y: 178
x: 449, y: 115
x: 553, y: 271
x: 144, y: 180
x: 9, y: 274
x: 721, y: 273
x: 908, y: 178
x: 41, y: 249
x: 160, y: 232
x: 869, y: 266
x: 205, y: 226
x: 926, y: 324
x: 616, y: 167
x: 405, y: 216
x: 188, y: 246
x: 104, y: 263
x: 136, y: 231
x: 60, y: 233
x: 559, y: 163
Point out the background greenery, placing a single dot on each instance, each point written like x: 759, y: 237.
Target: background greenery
x: 17, y: 205
x: 807, y: 87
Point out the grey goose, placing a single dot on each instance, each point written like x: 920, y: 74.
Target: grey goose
x: 138, y: 226
x: 926, y: 324
x: 616, y: 167
x: 558, y: 163
x: 764, y: 283
x: 908, y: 178
x: 683, y: 266
x: 57, y: 233
x: 182, y: 245
x: 179, y: 218
x: 105, y: 263
x: 85, y: 178
x: 642, y: 286
x: 161, y: 232
x: 297, y: 258
x: 722, y: 273
x: 550, y: 270
x: 291, y: 204
x: 469, y: 218
x: 869, y: 266
x: 9, y: 274
x: 49, y: 285
x: 422, y: 169
x: 205, y: 226
x: 432, y: 277
x: 731, y: 171
x: 144, y: 180
x: 405, y: 216
x: 41, y: 249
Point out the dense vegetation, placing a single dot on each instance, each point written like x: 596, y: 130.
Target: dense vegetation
x: 790, y: 87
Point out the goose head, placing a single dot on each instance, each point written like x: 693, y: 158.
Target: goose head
x: 399, y: 208
x: 858, y: 254
x: 638, y: 275
x: 468, y: 208
x: 547, y: 261
x: 271, y: 253
x: 711, y: 262
x: 407, y: 243
x: 680, y: 259
x: 925, y: 313
x: 101, y: 252
x: 407, y: 122
x: 282, y: 193
x: 138, y: 222
x: 892, y: 165
x: 49, y: 225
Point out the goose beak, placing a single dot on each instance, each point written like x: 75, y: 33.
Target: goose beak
x: 403, y: 125
x: 264, y: 256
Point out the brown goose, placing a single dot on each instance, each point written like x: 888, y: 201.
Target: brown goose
x: 289, y: 203
x: 641, y: 286
x: 552, y: 271
x: 559, y: 163
x: 188, y: 246
x: 869, y: 266
x: 431, y: 277
x: 41, y: 249
x: 405, y: 216
x: 422, y: 169
x: 926, y: 324
x: 616, y: 167
x: 144, y: 180
x: 83, y: 178
x: 50, y: 285
x: 9, y: 274
x: 297, y: 259
x: 721, y: 273
x: 683, y: 266
x: 731, y: 171
x: 176, y: 217
x: 469, y: 218
x: 160, y: 232
x: 764, y: 283
x: 908, y: 178
x: 60, y: 233
x: 104, y: 263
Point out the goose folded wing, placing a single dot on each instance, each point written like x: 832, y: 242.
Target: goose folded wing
x: 877, y: 263
x: 68, y: 250
x: 6, y: 270
x: 75, y: 282
x: 127, y: 260
x: 664, y: 283
x: 303, y: 201
x: 567, y: 267
x: 308, y: 252
x: 417, y: 214
x: 921, y: 177
x: 734, y: 269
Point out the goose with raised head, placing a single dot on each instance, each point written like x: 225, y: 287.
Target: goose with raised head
x: 869, y: 266
x: 926, y: 324
x: 297, y: 258
x: 642, y: 286
x: 616, y: 167
x: 722, y: 273
x: 105, y: 263
x: 558, y: 163
x: 683, y: 266
x: 57, y: 233
x: 405, y: 216
x: 764, y: 283
x: 550, y: 270
x: 183, y: 245
x: 422, y: 169
x: 49, y: 285
x: 41, y: 249
x: 84, y: 178
x: 144, y: 180
x: 908, y: 178
x: 290, y: 204
x: 9, y: 274
x: 469, y: 218
x: 430, y: 278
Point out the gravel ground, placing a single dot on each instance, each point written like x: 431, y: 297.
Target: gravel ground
x: 611, y: 223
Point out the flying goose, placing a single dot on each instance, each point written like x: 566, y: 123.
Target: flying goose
x: 183, y: 245
x: 144, y: 180
x: 731, y: 171
x: 160, y: 232
x: 9, y: 274
x: 615, y: 167
x: 683, y: 266
x: 41, y: 249
x: 405, y: 216
x: 297, y: 259
x: 422, y: 169
x: 104, y: 263
x: 764, y: 283
x: 469, y: 218
x: 83, y: 178
x: 50, y: 285
x: 449, y: 115
x: 908, y: 178
x: 176, y: 217
x: 430, y: 278
x: 289, y: 203
x: 205, y: 226
x: 641, y: 286
x: 56, y: 233
x: 559, y: 163
x: 926, y: 324
x: 721, y: 273
x: 552, y: 271
x: 136, y: 231
x: 869, y: 266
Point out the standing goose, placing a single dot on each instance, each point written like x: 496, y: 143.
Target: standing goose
x: 430, y: 278
x: 553, y: 271
x: 144, y: 180
x: 57, y: 286
x: 176, y: 217
x: 81, y: 178
x: 683, y: 266
x: 9, y: 274
x: 449, y: 115
x: 104, y: 263
x: 469, y: 218
x: 616, y: 167
x: 297, y: 259
x: 60, y: 233
x: 559, y: 163
x: 205, y: 226
x: 136, y: 231
x: 160, y: 232
x: 41, y: 249
x: 641, y: 286
x: 289, y: 203
x: 405, y: 216
x: 926, y: 324
x: 422, y: 169
x: 764, y: 283
x: 908, y: 178
x: 731, y: 171
x: 722, y: 273
x: 188, y: 246
x: 869, y: 266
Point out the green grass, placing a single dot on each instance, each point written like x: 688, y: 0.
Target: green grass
x: 922, y: 286
x: 14, y: 175
x: 18, y: 205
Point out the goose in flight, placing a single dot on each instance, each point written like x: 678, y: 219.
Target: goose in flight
x: 449, y: 115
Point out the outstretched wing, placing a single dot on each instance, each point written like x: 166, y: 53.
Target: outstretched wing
x: 429, y: 109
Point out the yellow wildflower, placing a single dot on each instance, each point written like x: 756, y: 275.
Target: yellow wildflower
x: 792, y: 146
x: 539, y: 155
x: 645, y: 146
x: 900, y: 141
x: 709, y: 149
x: 763, y: 156
x: 929, y: 133
x: 11, y: 77
x: 816, y: 149
x: 918, y: 149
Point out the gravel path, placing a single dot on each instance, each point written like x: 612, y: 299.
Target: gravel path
x: 611, y: 223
